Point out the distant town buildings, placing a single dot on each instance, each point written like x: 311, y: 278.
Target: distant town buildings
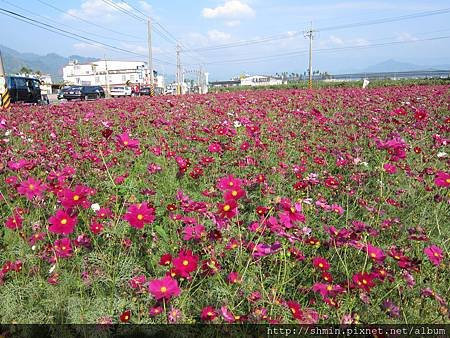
x: 260, y: 80
x: 109, y: 73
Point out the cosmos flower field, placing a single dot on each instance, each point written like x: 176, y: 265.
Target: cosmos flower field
x: 282, y: 206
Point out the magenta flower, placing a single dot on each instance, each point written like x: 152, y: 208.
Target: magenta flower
x: 442, y: 179
x: 375, y: 253
x: 62, y: 223
x: 139, y: 214
x: 434, y: 253
x: 31, y: 188
x: 164, y: 288
x: 63, y: 248
x: 125, y: 140
x: 390, y: 168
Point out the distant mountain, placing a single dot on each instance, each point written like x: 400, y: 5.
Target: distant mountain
x: 50, y: 64
x: 397, y: 66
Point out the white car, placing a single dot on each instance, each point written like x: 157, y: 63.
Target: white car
x: 121, y: 91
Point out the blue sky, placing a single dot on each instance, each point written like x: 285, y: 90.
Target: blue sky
x: 205, y: 23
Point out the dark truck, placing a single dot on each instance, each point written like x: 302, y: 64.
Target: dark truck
x: 24, y: 89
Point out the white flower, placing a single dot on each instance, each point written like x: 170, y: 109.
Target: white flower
x: 8, y: 132
x: 52, y: 269
x: 33, y: 247
x: 95, y: 207
x: 441, y: 154
x: 237, y: 124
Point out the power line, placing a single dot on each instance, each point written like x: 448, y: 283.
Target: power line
x: 288, y: 35
x: 324, y: 50
x: 65, y: 33
x: 86, y: 21
x: 58, y: 23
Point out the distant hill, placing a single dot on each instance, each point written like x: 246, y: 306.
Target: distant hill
x: 50, y: 64
x: 397, y: 66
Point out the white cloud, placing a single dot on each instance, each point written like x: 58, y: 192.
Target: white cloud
x: 233, y: 23
x: 98, y: 10
x: 406, y: 37
x: 218, y: 36
x: 146, y: 7
x: 230, y: 9
x: 336, y: 40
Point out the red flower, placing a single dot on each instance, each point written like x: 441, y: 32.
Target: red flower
x: 208, y: 313
x: 164, y: 288
x: 442, y: 179
x: 14, y: 222
x: 331, y: 182
x: 295, y: 309
x: 434, y: 253
x: 63, y: 248
x: 228, y: 182
x: 233, y: 278
x: 166, y: 259
x: 96, y: 228
x: 62, y: 223
x: 363, y: 281
x: 227, y: 209
x: 139, y: 214
x: 185, y: 263
x: 420, y: 115
x: 321, y: 263
x: 125, y: 316
x: 31, y: 188
x: 70, y: 199
x: 233, y: 194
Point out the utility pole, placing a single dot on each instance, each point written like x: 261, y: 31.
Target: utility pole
x: 178, y: 75
x: 150, y: 57
x: 106, y: 76
x: 310, y: 34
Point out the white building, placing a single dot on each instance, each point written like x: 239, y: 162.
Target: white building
x: 103, y: 72
x: 260, y: 80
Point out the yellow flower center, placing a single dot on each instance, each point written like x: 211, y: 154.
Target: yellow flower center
x: 163, y: 289
x: 64, y: 221
x: 329, y: 288
x: 364, y: 281
x: 125, y: 143
x: 234, y: 193
x: 292, y: 209
x: 226, y: 207
x: 63, y: 248
x: 231, y: 184
x: 185, y: 262
x: 436, y: 254
x: 293, y: 310
x: 447, y: 180
x: 209, y: 314
x: 140, y: 217
x: 373, y: 255
x: 31, y: 187
x: 320, y: 265
x: 76, y: 198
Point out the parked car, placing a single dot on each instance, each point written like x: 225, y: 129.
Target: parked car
x: 62, y: 91
x: 24, y: 89
x: 146, y: 91
x: 83, y: 92
x: 121, y: 91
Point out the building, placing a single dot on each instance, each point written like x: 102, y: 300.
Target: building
x: 109, y: 73
x: 261, y: 80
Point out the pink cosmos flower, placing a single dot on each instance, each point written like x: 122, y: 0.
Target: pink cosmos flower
x: 375, y: 253
x: 62, y: 223
x: 14, y: 222
x: 435, y: 254
x: 228, y: 182
x: 139, y: 214
x: 390, y: 168
x: 442, y: 179
x: 164, y: 288
x: 233, y: 278
x: 31, y: 188
x: 63, y: 247
x: 125, y: 140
